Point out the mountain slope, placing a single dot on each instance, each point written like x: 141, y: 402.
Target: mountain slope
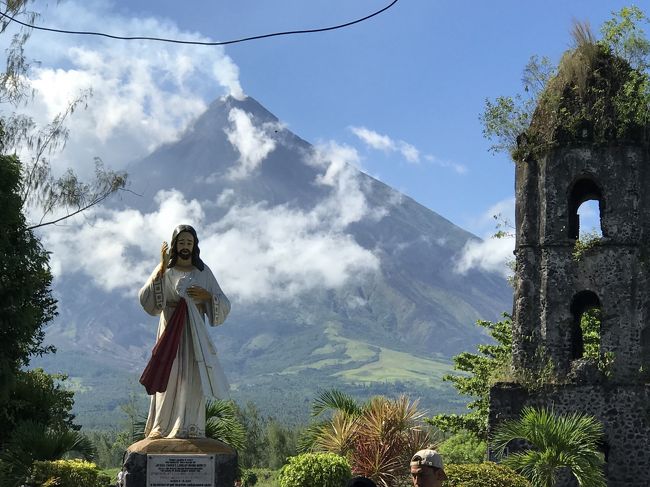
x: 401, y: 321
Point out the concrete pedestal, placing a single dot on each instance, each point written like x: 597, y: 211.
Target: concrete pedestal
x: 135, y: 463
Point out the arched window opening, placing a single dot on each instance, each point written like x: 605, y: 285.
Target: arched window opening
x: 585, y: 331
x: 589, y: 220
x: 586, y: 207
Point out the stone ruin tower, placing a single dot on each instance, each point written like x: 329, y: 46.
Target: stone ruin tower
x: 563, y: 162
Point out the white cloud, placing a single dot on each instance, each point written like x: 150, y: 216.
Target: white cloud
x: 253, y: 142
x: 279, y: 252
x: 118, y: 249
x: 491, y: 254
x: 374, y: 139
x: 348, y: 203
x: 144, y: 93
x: 459, y: 168
x: 409, y: 152
x: 387, y: 144
x: 258, y: 252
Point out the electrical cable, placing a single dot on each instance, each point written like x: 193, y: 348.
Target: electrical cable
x: 198, y: 43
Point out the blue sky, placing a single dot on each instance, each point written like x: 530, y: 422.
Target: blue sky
x: 413, y: 80
x: 418, y: 73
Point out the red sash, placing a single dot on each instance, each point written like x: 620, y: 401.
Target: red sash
x: 156, y: 373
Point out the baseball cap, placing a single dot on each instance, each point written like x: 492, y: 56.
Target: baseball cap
x: 428, y: 458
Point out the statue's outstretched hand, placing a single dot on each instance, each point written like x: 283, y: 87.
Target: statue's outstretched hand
x: 164, y: 259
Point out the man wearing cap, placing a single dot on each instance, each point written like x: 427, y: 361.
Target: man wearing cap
x: 426, y: 469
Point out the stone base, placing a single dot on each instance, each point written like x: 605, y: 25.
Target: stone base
x: 135, y: 458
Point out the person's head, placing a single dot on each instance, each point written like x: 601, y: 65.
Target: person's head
x: 185, y: 246
x: 427, y: 469
x: 360, y: 482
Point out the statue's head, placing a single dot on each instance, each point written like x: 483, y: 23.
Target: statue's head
x: 182, y: 232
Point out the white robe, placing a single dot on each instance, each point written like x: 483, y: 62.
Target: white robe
x: 196, y: 374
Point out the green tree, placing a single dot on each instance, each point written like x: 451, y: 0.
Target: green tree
x: 26, y: 302
x: 41, y: 189
x: 282, y: 444
x: 29, y: 400
x: 255, y: 452
x: 40, y: 398
x: 463, y: 447
x: 477, y: 374
x: 624, y: 34
x: 555, y: 442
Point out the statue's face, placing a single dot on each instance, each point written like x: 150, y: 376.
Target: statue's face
x: 184, y: 245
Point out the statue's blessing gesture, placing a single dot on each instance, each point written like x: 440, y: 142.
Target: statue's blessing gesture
x: 184, y: 369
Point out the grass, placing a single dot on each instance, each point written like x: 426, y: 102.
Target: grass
x: 394, y: 366
x: 379, y: 364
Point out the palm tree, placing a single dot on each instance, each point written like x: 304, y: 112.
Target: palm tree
x: 555, y: 442
x: 378, y: 437
x: 221, y: 423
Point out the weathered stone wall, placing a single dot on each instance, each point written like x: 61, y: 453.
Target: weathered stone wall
x: 616, y: 271
x: 623, y: 410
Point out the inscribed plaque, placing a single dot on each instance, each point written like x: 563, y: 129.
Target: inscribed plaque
x: 180, y: 470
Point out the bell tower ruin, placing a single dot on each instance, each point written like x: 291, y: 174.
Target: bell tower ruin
x: 582, y: 145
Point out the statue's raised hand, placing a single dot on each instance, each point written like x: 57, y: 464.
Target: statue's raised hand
x: 164, y: 259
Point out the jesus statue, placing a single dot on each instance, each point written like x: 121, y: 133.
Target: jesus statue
x: 184, y: 369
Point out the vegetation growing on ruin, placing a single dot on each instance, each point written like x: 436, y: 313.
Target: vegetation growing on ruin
x: 595, y: 97
x: 599, y: 93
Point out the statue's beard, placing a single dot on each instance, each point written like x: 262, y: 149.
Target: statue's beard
x: 185, y: 254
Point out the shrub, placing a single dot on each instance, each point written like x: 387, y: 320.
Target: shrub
x: 485, y: 474
x: 311, y: 469
x: 463, y: 447
x: 67, y: 473
x: 248, y: 478
x: 265, y: 477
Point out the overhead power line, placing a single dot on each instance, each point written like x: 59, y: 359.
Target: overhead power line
x: 198, y: 43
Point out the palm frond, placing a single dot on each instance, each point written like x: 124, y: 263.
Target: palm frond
x: 337, y: 436
x: 222, y: 423
x: 333, y: 399
x: 554, y: 442
x: 307, y: 440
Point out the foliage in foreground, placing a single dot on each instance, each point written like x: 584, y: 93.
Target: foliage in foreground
x: 221, y: 423
x: 67, y: 473
x: 487, y: 474
x: 377, y: 437
x: 265, y: 477
x: 34, y: 442
x: 26, y: 302
x: 311, y: 469
x: 477, y: 374
x: 463, y: 447
x: 564, y: 441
